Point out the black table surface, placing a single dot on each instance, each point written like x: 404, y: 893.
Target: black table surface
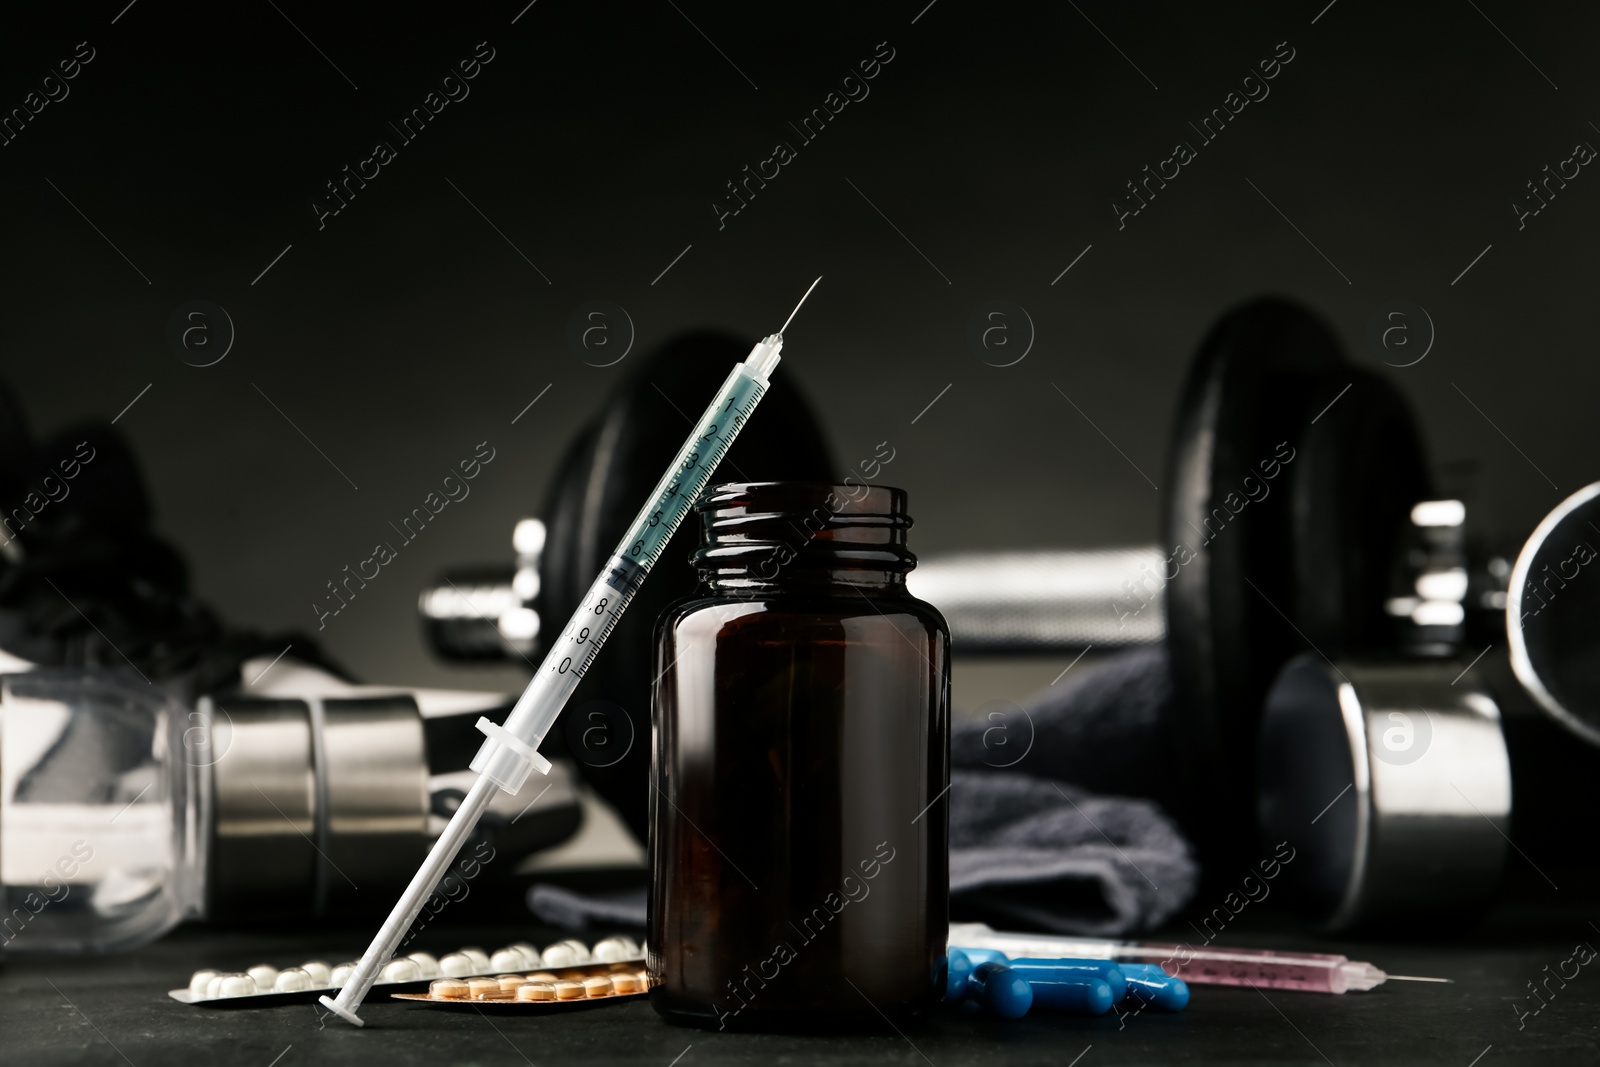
x: 115, y: 1010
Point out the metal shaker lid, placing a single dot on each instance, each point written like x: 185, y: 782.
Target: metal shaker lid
x: 1553, y: 614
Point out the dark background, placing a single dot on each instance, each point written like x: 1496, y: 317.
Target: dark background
x: 408, y: 330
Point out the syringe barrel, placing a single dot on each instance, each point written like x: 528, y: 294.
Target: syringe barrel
x: 541, y: 702
x: 571, y: 654
x: 1313, y: 972
x: 1318, y: 972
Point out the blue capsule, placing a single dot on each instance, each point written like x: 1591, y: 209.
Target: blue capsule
x: 1083, y: 986
x: 987, y: 979
x: 1151, y: 985
x: 984, y: 955
x: 1000, y: 991
x: 958, y: 969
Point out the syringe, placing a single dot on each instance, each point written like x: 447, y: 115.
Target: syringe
x: 1314, y: 972
x: 511, y: 750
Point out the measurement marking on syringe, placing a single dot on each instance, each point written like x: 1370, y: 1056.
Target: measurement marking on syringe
x: 658, y: 526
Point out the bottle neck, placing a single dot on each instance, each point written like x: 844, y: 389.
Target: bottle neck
x: 798, y: 537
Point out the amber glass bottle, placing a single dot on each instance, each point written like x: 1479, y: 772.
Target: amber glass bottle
x: 799, y: 839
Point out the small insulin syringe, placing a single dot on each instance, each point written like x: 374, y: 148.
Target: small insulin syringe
x: 512, y: 750
x: 1313, y: 972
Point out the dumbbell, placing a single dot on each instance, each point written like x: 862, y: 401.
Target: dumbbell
x: 1395, y: 777
x: 1290, y: 482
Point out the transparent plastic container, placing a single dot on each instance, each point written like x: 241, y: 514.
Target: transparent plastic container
x: 101, y: 828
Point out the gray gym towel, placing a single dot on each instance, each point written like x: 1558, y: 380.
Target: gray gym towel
x: 1028, y: 849
x: 1039, y: 854
x: 1100, y: 728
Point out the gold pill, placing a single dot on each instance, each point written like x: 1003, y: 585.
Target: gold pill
x: 597, y: 986
x: 509, y: 982
x: 626, y: 983
x: 568, y: 990
x: 453, y: 988
x: 536, y: 991
x: 477, y: 988
x: 543, y: 976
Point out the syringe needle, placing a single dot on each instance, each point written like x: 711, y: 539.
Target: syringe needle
x: 1415, y: 978
x: 797, y: 308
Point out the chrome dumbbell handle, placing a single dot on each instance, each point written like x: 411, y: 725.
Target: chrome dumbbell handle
x: 995, y: 602
x: 1034, y: 602
x: 1040, y: 602
x: 487, y: 613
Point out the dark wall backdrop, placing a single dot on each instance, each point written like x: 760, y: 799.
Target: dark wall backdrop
x: 433, y: 308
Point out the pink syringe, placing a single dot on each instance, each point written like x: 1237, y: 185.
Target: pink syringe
x: 1313, y: 972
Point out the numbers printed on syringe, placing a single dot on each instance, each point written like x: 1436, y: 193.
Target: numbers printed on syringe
x: 591, y: 628
x: 691, y: 462
x: 581, y: 635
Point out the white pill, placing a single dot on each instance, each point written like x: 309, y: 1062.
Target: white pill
x: 264, y: 975
x: 480, y: 958
x: 458, y: 965
x: 199, y: 982
x: 426, y: 963
x: 509, y: 959
x: 292, y: 980
x: 341, y: 974
x: 236, y: 985
x: 562, y: 955
x: 319, y: 972
x: 534, y: 960
x: 578, y: 947
x: 400, y: 970
x: 213, y: 985
x: 613, y: 949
